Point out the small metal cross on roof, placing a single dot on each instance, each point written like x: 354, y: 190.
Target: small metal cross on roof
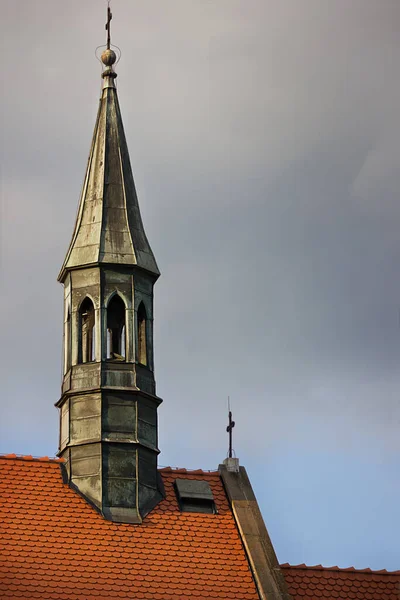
x: 229, y: 430
x: 109, y: 17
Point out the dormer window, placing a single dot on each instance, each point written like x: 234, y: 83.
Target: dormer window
x: 116, y: 329
x: 142, y: 334
x: 87, y: 332
x: 195, y: 496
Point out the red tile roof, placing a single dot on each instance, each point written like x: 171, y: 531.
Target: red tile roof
x: 332, y: 583
x: 55, y: 545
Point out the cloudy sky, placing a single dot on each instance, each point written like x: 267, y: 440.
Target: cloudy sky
x: 264, y: 138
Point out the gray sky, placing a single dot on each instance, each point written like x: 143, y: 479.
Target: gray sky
x: 264, y: 139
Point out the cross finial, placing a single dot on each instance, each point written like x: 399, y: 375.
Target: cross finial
x: 108, y: 57
x: 229, y: 429
x: 109, y: 17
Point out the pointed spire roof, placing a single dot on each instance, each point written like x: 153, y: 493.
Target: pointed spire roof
x: 109, y: 228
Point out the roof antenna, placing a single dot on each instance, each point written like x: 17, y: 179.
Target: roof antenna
x: 231, y: 462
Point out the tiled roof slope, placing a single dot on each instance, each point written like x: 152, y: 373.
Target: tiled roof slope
x: 332, y: 583
x: 55, y: 545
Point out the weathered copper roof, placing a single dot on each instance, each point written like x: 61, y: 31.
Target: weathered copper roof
x: 109, y: 227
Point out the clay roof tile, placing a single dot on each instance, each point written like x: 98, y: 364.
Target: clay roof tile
x: 332, y: 583
x: 58, y: 546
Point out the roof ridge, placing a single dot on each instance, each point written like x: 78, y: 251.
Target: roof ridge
x: 33, y: 458
x: 342, y: 570
x: 188, y: 471
x: 55, y: 459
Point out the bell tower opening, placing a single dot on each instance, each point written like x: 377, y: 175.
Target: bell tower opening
x: 86, y: 332
x: 142, y: 334
x: 68, y: 341
x: 116, y: 329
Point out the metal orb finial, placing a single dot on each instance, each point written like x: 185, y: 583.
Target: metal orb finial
x: 108, y: 57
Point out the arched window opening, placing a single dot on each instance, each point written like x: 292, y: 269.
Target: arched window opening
x: 123, y: 337
x: 87, y: 333
x: 116, y: 329
x: 68, y: 341
x: 142, y: 334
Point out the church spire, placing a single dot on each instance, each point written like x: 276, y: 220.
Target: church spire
x: 109, y: 227
x: 108, y: 405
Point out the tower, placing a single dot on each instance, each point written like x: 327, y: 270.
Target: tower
x: 108, y: 405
